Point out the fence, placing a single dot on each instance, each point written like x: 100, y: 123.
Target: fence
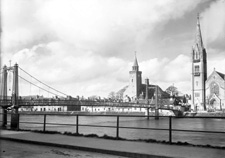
x: 117, y: 127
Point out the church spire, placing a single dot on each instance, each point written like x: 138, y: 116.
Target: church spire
x: 199, y: 70
x: 135, y: 60
x: 135, y: 65
x: 198, y: 38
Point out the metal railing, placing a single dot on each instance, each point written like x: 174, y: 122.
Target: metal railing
x: 118, y: 127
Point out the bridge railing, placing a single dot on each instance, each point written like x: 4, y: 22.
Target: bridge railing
x: 77, y: 124
x: 55, y: 102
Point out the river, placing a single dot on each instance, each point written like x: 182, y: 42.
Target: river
x: 202, y: 124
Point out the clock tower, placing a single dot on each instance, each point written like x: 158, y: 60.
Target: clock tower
x: 135, y: 80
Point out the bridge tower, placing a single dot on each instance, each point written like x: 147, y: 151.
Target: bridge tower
x: 15, y: 94
x: 135, y: 80
x: 4, y: 95
x: 15, y: 90
x: 199, y: 71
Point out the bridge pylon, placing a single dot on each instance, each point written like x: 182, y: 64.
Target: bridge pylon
x: 4, y: 96
x: 15, y: 94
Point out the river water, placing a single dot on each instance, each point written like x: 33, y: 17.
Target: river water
x: 202, y: 124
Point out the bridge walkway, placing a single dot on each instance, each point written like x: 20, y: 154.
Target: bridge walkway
x: 114, y: 147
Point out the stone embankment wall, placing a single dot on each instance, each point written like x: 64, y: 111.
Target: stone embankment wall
x: 206, y: 114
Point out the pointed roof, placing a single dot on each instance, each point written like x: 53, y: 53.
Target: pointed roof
x: 221, y: 74
x: 198, y: 37
x: 218, y: 73
x: 135, y: 60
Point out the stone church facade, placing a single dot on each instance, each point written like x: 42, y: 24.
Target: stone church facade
x: 215, y: 91
x: 207, y: 93
x: 141, y: 91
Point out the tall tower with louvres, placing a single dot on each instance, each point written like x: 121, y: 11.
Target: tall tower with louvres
x: 199, y: 71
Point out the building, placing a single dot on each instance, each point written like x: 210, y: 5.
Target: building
x: 207, y: 93
x: 135, y: 80
x: 199, y: 70
x: 110, y: 109
x: 215, y: 91
x: 139, y: 91
x: 37, y: 102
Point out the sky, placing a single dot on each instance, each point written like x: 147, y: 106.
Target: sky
x: 87, y: 47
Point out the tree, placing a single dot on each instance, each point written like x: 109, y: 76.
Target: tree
x: 172, y: 90
x: 119, y: 94
x: 112, y: 95
x: 94, y: 97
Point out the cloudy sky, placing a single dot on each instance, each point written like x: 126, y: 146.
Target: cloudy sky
x: 86, y: 47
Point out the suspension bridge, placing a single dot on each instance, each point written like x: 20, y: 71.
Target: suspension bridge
x: 14, y: 78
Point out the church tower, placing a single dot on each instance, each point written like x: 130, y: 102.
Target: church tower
x: 135, y: 80
x: 199, y: 71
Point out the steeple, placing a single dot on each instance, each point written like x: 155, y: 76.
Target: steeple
x: 198, y: 38
x: 199, y: 70
x: 135, y: 60
x: 135, y: 81
x: 135, y: 65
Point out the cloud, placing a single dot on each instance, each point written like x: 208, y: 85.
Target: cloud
x: 165, y: 72
x: 84, y: 47
x: 101, y: 26
x: 86, y: 74
x: 213, y: 24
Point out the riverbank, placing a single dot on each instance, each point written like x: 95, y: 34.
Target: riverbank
x: 136, y: 127
x: 114, y: 147
x: 16, y: 149
x: 204, y: 114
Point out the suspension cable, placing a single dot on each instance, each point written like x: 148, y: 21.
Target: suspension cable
x: 37, y: 86
x: 31, y: 87
x: 43, y: 83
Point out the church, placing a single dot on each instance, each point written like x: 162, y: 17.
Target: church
x: 137, y: 91
x: 208, y: 93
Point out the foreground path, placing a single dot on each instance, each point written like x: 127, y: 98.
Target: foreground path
x: 10, y: 149
x: 115, y: 147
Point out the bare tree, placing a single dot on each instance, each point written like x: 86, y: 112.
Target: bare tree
x: 112, y: 95
x: 172, y: 90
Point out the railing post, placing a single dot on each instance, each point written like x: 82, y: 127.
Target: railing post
x: 14, y: 119
x: 77, y: 124
x: 117, y: 127
x: 18, y: 122
x: 4, y: 117
x: 44, y: 122
x: 170, y: 129
x: 148, y: 113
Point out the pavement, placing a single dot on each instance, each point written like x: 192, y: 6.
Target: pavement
x: 12, y: 149
x: 113, y: 147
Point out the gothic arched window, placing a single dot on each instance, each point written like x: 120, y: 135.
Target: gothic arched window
x: 214, y: 88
